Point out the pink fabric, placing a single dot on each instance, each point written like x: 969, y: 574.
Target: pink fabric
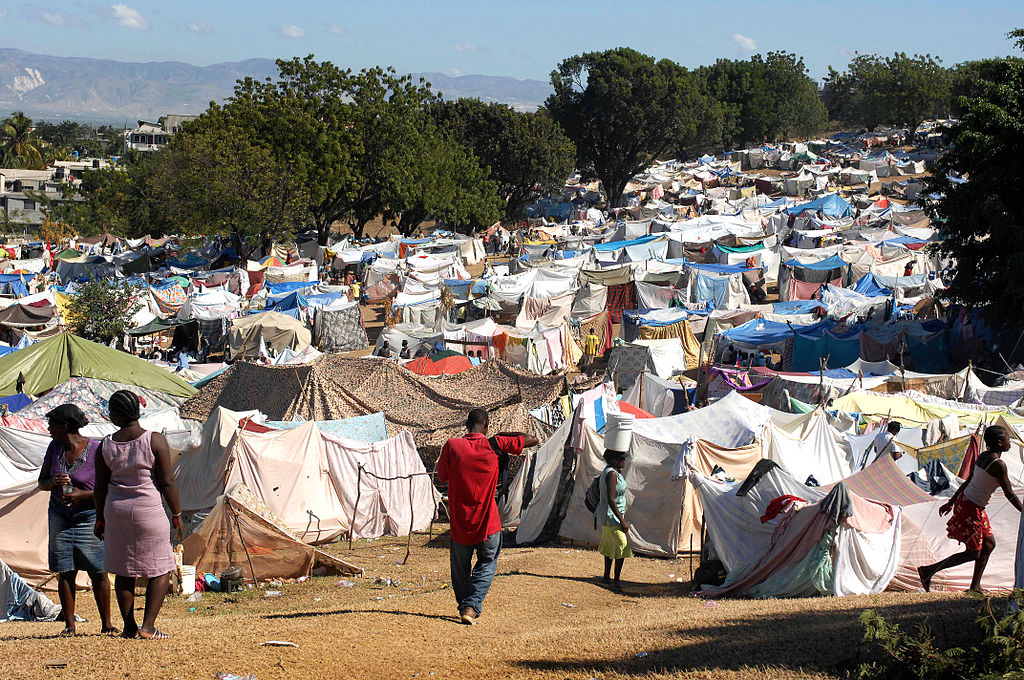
x: 801, y: 290
x: 871, y: 517
x: 138, y: 533
x: 801, y: 531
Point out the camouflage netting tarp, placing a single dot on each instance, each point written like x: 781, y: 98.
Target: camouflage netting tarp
x: 335, y: 387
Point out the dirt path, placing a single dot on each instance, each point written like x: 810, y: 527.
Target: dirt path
x: 528, y: 629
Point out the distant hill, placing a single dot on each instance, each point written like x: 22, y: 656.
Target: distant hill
x: 105, y: 91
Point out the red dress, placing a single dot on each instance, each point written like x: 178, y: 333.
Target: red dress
x: 969, y: 524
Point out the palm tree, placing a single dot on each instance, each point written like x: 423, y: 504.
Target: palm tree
x: 18, y: 145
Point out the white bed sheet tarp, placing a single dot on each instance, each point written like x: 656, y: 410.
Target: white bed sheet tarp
x: 651, y: 490
x: 384, y: 504
x: 730, y: 422
x: 547, y: 467
x: 812, y: 447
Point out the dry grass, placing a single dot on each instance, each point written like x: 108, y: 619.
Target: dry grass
x: 373, y: 630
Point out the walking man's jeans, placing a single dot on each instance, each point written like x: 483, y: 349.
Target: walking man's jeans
x: 469, y: 582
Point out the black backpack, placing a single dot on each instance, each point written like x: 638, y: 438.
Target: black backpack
x: 592, y: 498
x: 503, y: 464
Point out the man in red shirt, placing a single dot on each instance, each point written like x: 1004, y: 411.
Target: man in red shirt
x: 470, y: 467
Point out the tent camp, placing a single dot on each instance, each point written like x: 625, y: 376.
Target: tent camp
x: 53, y: 361
x: 310, y: 479
x: 241, y: 530
x: 278, y: 331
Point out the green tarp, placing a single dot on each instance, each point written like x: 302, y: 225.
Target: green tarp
x: 53, y: 361
x: 157, y: 326
x: 740, y: 249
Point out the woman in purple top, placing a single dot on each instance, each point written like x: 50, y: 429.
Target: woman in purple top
x: 132, y: 474
x: 69, y: 474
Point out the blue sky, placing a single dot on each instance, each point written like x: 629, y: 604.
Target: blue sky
x: 518, y: 38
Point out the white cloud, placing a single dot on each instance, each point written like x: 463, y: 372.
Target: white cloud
x: 200, y: 27
x: 291, y: 31
x: 54, y: 18
x: 746, y: 44
x: 468, y: 47
x: 454, y: 72
x: 337, y: 30
x: 129, y: 17
x: 3, y: 14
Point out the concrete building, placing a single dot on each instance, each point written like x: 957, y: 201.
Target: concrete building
x: 155, y: 136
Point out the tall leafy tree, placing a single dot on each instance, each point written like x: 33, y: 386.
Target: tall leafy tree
x: 19, y: 146
x: 897, y: 90
x: 447, y: 182
x: 526, y: 153
x: 622, y: 109
x: 764, y: 98
x: 212, y: 178
x: 983, y: 218
x: 116, y: 199
x: 305, y: 118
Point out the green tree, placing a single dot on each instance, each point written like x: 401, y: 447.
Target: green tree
x: 761, y: 99
x: 983, y: 218
x: 349, y: 138
x: 212, y: 178
x: 19, y: 147
x: 101, y: 310
x: 898, y: 90
x: 116, y: 199
x: 305, y: 117
x: 527, y: 154
x: 445, y: 181
x: 623, y: 109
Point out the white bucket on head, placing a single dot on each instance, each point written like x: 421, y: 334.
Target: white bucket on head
x: 618, y: 430
x: 188, y: 579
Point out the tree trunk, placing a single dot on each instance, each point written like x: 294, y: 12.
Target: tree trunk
x: 323, y: 232
x: 410, y: 221
x: 357, y: 227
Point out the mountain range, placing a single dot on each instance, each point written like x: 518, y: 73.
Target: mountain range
x: 106, y: 91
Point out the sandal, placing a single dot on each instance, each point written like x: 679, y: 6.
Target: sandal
x: 157, y: 635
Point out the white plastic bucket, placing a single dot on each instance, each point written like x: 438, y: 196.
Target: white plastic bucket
x: 618, y: 432
x: 188, y: 579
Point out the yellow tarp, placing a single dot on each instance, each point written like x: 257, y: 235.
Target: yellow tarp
x: 910, y: 412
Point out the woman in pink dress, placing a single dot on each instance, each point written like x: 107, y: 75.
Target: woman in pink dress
x: 132, y: 474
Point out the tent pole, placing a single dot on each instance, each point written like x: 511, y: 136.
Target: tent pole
x: 238, y: 528
x: 355, y: 506
x: 408, y: 544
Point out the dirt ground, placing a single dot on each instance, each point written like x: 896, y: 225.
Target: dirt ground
x: 546, y: 617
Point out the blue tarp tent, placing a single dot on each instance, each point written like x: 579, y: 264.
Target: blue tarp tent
x: 868, y: 285
x: 761, y: 332
x: 797, y: 307
x: 830, y: 206
x: 834, y: 262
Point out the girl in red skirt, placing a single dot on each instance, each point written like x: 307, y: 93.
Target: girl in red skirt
x: 969, y: 523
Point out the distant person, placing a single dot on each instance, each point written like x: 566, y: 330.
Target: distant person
x: 69, y: 474
x: 355, y: 289
x: 611, y: 517
x: 473, y: 358
x: 590, y: 347
x: 470, y: 467
x: 384, y: 350
x: 909, y: 269
x: 480, y: 356
x: 885, y: 441
x: 404, y: 353
x: 134, y: 477
x: 970, y: 524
